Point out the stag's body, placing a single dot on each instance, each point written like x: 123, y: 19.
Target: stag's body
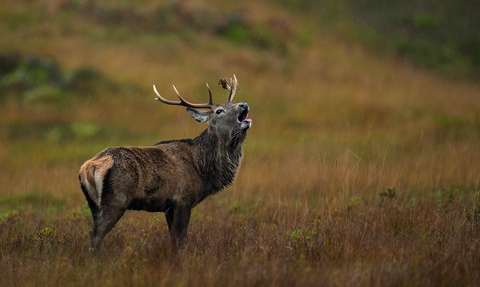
x: 170, y: 176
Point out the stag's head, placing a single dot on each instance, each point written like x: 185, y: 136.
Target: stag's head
x: 229, y: 121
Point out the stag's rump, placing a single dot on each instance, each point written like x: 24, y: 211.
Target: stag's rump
x: 92, y: 174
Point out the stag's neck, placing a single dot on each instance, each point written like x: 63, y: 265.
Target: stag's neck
x: 216, y: 159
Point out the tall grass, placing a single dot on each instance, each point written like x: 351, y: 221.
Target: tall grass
x: 358, y: 169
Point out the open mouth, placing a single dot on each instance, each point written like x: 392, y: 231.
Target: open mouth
x: 243, y: 117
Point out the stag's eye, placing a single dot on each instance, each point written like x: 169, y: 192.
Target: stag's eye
x: 219, y: 111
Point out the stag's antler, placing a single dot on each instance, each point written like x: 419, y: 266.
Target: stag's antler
x: 183, y: 102
x: 232, y: 89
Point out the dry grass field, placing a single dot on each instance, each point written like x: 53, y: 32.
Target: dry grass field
x: 359, y: 169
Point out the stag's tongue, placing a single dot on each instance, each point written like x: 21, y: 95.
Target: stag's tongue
x: 245, y: 123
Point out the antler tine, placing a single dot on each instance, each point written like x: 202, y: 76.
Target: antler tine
x: 179, y: 96
x: 161, y: 99
x: 210, y: 101
x: 233, y: 89
x: 182, y: 101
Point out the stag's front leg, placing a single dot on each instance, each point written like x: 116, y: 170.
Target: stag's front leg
x: 177, y: 221
x: 169, y: 217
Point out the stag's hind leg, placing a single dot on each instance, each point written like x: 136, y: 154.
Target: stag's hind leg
x: 109, y: 211
x: 102, y: 224
x: 95, y: 210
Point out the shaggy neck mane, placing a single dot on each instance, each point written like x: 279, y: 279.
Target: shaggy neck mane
x: 216, y: 160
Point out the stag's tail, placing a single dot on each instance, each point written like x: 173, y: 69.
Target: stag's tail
x: 92, y: 175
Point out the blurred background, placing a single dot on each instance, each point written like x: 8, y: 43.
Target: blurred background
x: 348, y: 98
x: 362, y: 166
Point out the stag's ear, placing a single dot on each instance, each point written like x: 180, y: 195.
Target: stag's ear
x: 198, y: 115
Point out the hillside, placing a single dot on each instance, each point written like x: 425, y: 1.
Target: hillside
x: 438, y: 35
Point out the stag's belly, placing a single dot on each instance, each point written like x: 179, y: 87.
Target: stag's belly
x: 153, y: 196
x: 161, y: 199
x: 150, y: 204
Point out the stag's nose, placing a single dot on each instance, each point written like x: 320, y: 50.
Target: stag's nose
x: 244, y: 106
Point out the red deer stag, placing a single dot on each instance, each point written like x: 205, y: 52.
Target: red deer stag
x: 171, y: 176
